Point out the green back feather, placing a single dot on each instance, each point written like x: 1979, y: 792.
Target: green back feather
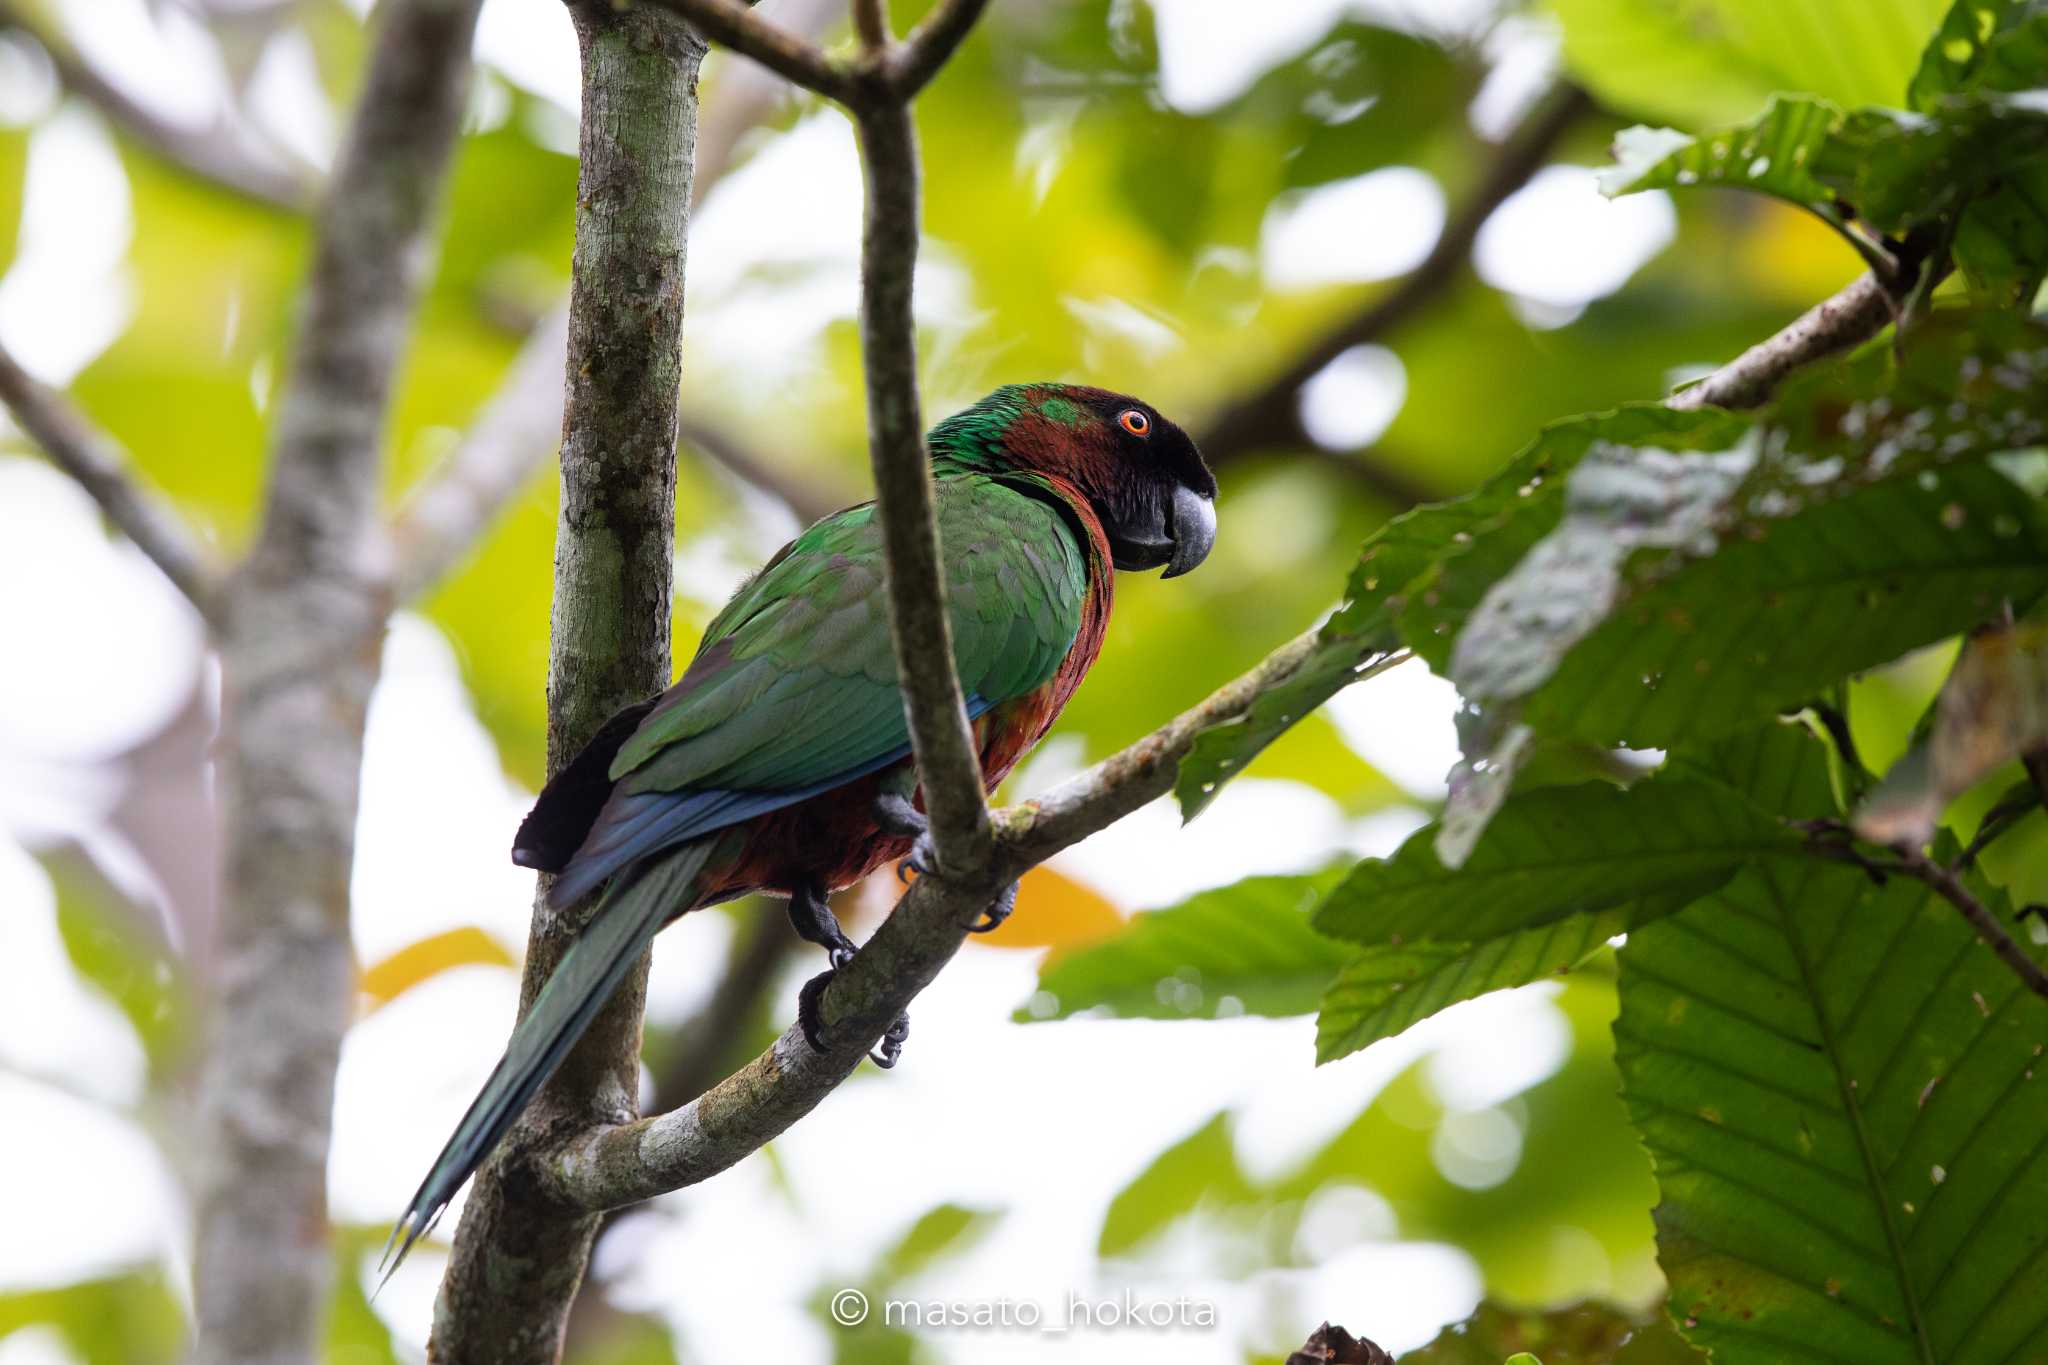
x: 795, y: 681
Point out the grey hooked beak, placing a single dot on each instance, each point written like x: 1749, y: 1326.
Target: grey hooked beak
x: 1194, y: 531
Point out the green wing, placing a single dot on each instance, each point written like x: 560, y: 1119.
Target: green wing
x: 794, y: 683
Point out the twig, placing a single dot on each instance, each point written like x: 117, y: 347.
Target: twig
x: 1918, y: 865
x: 871, y: 23
x: 723, y: 449
x: 92, y: 458
x: 302, y: 626
x: 932, y: 43
x: 731, y: 24
x: 1833, y: 840
x: 948, y: 763
x: 1270, y: 415
x: 517, y: 430
x: 1860, y: 311
x: 213, y: 154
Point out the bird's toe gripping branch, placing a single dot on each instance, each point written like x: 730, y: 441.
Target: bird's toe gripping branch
x: 812, y: 918
x: 895, y: 814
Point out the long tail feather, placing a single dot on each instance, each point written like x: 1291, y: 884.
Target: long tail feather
x: 618, y: 932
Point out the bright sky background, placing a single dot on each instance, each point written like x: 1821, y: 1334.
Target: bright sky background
x: 108, y: 652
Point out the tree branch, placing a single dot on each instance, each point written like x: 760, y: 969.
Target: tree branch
x: 519, y: 1256
x: 96, y: 462
x: 214, y: 154
x: 1271, y: 415
x: 932, y: 44
x: 301, y: 629
x: 731, y: 24
x: 807, y: 503
x: 948, y: 762
x: 1860, y: 311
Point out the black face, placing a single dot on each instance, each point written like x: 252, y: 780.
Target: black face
x: 1157, y: 500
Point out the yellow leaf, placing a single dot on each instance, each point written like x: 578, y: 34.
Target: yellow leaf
x: 467, y: 946
x: 1055, y: 911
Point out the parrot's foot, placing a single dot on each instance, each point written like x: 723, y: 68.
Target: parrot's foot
x: 812, y: 918
x: 993, y: 917
x: 895, y: 814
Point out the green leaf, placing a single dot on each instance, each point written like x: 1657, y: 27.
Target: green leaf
x: 1201, y: 1169
x: 124, y: 1320
x: 1552, y: 853
x: 1899, y: 168
x: 1399, y: 560
x: 1705, y: 62
x: 941, y: 1232
x: 1891, y: 169
x: 115, y: 945
x: 1835, y: 1081
x: 1982, y: 45
x: 1390, y: 987
x: 1713, y: 646
x: 1771, y: 154
x: 1246, y: 948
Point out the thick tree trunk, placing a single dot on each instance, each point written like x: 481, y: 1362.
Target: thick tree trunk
x: 519, y: 1257
x: 299, y: 631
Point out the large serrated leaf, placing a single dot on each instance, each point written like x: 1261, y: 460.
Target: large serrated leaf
x: 1555, y: 852
x: 1714, y: 646
x: 1246, y: 948
x: 1837, y: 1085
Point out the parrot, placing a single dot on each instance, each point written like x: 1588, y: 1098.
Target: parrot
x: 779, y: 762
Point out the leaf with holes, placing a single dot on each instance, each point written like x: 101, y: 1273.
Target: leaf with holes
x: 1246, y: 948
x: 1771, y: 154
x: 1843, y: 1094
x: 1999, y: 45
x: 1784, y: 608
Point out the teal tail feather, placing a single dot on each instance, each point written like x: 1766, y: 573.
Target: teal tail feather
x: 625, y: 922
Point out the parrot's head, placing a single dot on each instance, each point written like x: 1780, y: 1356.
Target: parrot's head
x: 1142, y: 476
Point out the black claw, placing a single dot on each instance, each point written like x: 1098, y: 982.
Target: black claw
x: 923, y: 859
x: 890, y: 1050
x: 994, y: 916
x: 807, y: 1008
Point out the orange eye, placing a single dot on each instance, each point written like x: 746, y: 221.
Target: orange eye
x: 1135, y: 422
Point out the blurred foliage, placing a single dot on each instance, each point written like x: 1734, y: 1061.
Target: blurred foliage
x: 1559, y: 1215
x: 1701, y: 62
x: 132, y: 1319
x: 1240, y: 949
x: 120, y: 948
